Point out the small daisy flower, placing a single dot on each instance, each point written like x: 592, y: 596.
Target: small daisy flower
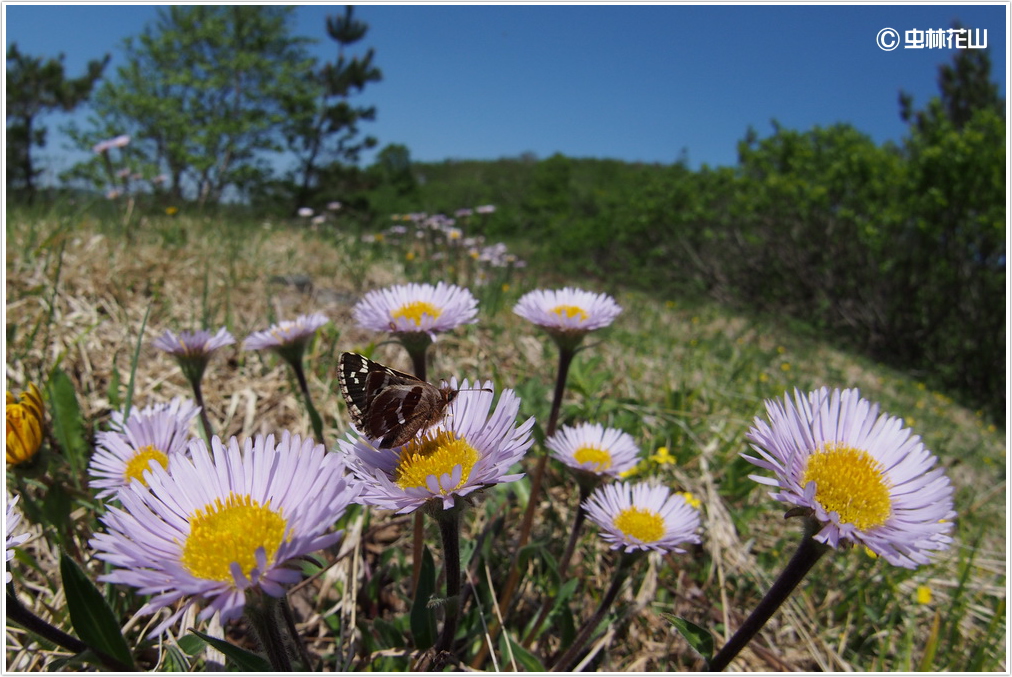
x: 193, y: 349
x: 469, y: 450
x: 24, y: 425
x: 150, y: 437
x: 13, y: 518
x: 592, y: 448
x: 642, y: 516
x: 228, y: 520
x: 414, y: 308
x: 193, y: 344
x: 180, y: 408
x: 567, y: 312
x: 288, y: 336
x: 865, y: 477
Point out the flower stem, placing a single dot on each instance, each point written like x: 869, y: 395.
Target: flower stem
x: 566, y: 661
x: 205, y: 422
x: 29, y: 621
x: 314, y: 416
x: 449, y: 529
x: 262, y: 612
x: 808, y: 553
x: 565, y: 359
x: 286, y: 611
x: 567, y: 555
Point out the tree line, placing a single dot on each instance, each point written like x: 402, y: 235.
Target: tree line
x: 208, y: 96
x: 897, y: 250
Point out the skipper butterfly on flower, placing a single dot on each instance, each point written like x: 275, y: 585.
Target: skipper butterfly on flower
x: 389, y: 405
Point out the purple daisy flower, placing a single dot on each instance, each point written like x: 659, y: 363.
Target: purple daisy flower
x: 13, y: 518
x: 181, y: 408
x: 413, y: 308
x: 567, y: 310
x: 151, y: 436
x: 193, y: 350
x: 286, y: 334
x: 642, y: 516
x: 193, y: 344
x: 590, y: 447
x: 469, y: 450
x: 865, y: 477
x: 226, y: 521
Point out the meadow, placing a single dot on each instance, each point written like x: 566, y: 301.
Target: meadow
x: 683, y: 376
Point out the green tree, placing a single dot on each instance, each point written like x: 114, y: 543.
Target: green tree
x: 323, y: 131
x: 965, y: 87
x: 36, y: 87
x: 204, y: 94
x: 949, y: 265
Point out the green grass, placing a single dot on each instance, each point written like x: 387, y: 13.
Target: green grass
x: 679, y: 373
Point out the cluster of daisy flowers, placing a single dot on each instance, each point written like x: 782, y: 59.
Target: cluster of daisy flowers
x: 192, y: 519
x: 441, y: 240
x: 641, y: 516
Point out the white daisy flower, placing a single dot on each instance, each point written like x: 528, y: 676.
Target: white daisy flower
x: 590, y: 447
x: 865, y: 477
x: 469, y: 450
x: 642, y: 516
x: 411, y: 308
x: 221, y: 522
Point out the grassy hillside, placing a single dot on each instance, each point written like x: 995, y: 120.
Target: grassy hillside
x: 675, y: 372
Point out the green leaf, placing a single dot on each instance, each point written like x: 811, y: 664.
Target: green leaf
x: 423, y: 618
x: 175, y: 660
x: 246, y: 661
x: 524, y: 658
x: 387, y: 634
x: 191, y: 645
x: 133, y: 365
x: 112, y: 390
x: 931, y: 646
x: 68, y: 426
x: 699, y: 638
x: 90, y: 614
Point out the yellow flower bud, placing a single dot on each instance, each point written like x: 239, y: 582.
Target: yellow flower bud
x: 24, y: 425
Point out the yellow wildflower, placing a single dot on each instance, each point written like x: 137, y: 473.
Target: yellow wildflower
x: 24, y: 425
x: 663, y: 457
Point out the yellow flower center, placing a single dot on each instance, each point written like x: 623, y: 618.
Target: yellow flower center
x: 569, y: 312
x: 644, y: 525
x: 850, y: 482
x: 231, y: 531
x: 436, y: 455
x: 136, y: 466
x: 600, y: 458
x: 415, y: 311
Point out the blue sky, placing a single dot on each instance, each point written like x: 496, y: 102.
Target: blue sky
x: 636, y: 83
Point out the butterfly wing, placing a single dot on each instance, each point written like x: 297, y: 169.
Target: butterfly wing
x: 399, y: 412
x: 386, y: 404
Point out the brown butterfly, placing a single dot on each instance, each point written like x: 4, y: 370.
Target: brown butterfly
x: 389, y: 405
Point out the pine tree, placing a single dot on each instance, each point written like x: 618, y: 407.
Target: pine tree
x: 36, y: 87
